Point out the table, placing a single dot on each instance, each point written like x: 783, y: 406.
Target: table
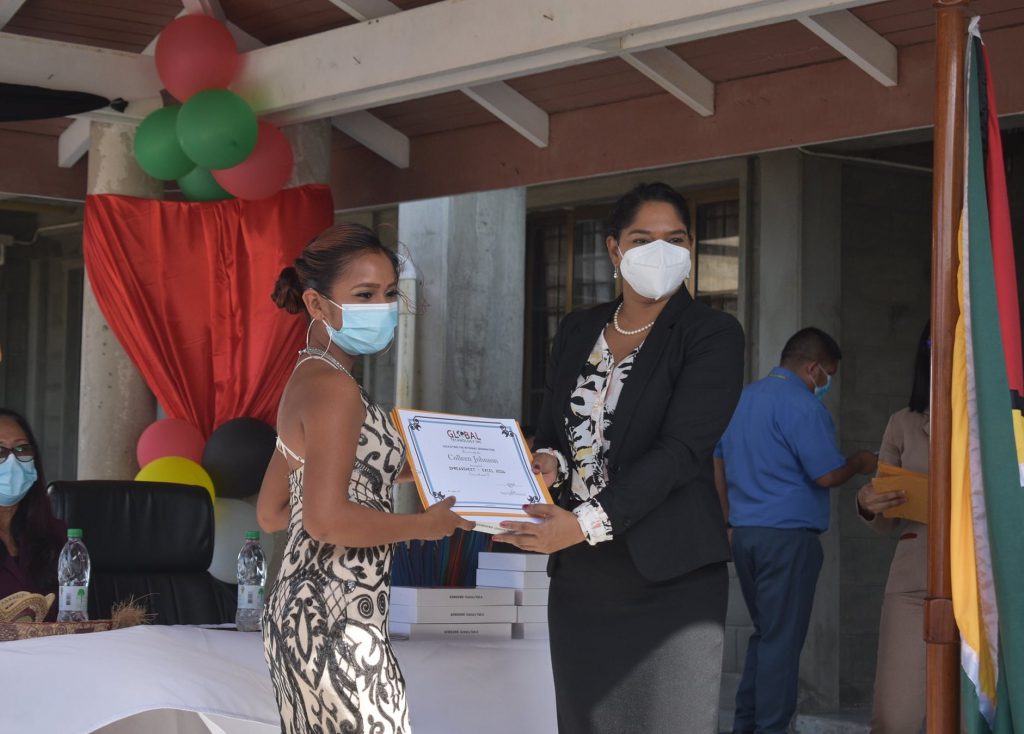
x: 190, y: 680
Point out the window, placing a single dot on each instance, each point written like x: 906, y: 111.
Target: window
x: 717, y: 264
x: 567, y: 267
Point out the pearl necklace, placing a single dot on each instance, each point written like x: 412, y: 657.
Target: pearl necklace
x: 628, y: 332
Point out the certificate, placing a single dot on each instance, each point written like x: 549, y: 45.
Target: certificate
x: 482, y: 462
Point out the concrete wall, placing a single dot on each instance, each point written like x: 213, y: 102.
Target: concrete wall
x: 845, y: 247
x: 886, y: 256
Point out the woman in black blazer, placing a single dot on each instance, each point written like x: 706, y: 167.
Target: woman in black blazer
x: 638, y: 393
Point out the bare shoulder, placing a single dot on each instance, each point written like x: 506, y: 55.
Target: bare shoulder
x: 319, y: 397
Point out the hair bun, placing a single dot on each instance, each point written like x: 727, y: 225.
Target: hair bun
x: 288, y: 291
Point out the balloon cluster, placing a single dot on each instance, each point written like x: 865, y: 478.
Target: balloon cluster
x: 230, y: 466
x: 212, y: 145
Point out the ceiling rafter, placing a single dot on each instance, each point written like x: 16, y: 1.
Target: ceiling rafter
x: 356, y: 69
x: 73, y: 143
x: 367, y: 9
x: 497, y: 97
x: 857, y: 41
x: 8, y: 8
x: 375, y: 134
x: 676, y: 77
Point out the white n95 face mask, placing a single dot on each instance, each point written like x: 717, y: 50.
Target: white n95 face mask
x: 656, y: 269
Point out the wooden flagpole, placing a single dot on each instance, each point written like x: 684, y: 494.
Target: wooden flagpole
x: 940, y: 632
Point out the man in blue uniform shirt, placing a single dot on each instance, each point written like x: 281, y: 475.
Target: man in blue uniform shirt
x: 773, y: 467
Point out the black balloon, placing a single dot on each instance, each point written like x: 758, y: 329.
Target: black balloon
x: 236, y: 456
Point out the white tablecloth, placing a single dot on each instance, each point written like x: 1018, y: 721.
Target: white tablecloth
x: 141, y: 679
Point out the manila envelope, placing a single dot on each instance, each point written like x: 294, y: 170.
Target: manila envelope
x: 894, y: 479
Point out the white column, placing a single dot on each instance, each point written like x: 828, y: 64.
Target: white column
x: 115, y: 405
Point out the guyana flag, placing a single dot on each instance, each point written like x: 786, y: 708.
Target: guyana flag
x: 987, y: 526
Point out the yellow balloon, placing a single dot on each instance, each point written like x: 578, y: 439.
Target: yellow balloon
x: 176, y: 470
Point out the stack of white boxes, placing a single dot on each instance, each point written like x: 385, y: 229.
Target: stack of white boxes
x: 525, y: 574
x: 421, y: 613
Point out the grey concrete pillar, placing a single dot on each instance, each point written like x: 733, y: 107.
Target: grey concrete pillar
x: 799, y: 284
x: 821, y: 306
x: 470, y: 253
x: 115, y: 405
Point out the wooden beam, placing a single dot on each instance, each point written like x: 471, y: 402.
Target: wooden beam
x: 60, y: 65
x: 73, y: 143
x: 8, y: 8
x: 498, y: 98
x: 206, y: 7
x: 355, y: 67
x: 676, y: 77
x: 940, y: 632
x: 857, y: 41
x: 214, y: 9
x: 513, y: 109
x: 367, y: 9
x: 375, y: 134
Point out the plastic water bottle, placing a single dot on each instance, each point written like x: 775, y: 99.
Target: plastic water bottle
x: 73, y: 570
x: 252, y: 580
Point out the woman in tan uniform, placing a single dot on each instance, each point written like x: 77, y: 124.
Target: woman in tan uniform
x: 899, y: 697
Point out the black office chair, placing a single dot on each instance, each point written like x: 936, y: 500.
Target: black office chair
x: 149, y: 540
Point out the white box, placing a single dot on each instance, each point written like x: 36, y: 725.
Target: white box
x: 419, y: 631
x: 513, y: 561
x: 437, y: 596
x: 531, y: 597
x: 512, y: 579
x: 441, y: 615
x: 532, y: 615
x: 530, y: 632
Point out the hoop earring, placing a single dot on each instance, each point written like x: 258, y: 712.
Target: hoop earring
x: 309, y: 333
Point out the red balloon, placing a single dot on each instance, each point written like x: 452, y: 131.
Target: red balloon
x: 170, y: 437
x: 196, y: 52
x: 265, y: 171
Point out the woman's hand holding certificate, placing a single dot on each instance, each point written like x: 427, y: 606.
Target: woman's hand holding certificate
x: 556, y: 530
x: 482, y: 462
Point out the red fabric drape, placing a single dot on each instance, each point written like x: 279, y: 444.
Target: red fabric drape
x: 186, y: 289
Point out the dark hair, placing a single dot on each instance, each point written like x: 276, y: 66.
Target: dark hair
x: 325, y: 258
x: 810, y: 345
x: 33, y: 522
x: 625, y: 209
x: 920, y: 393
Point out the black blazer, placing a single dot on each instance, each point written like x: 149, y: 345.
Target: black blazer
x: 675, y: 405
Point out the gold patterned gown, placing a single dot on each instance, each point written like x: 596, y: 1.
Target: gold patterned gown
x: 325, y: 624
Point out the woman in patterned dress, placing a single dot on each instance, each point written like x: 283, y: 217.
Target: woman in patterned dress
x: 638, y: 393
x: 329, y: 483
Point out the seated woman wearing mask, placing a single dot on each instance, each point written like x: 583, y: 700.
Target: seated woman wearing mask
x: 30, y: 536
x: 638, y: 393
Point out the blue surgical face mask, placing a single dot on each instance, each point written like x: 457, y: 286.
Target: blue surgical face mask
x: 366, y: 328
x: 820, y: 391
x: 16, y: 479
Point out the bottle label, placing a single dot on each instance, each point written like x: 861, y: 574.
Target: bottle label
x: 250, y: 597
x: 74, y: 599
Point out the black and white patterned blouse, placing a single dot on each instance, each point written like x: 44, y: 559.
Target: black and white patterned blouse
x: 592, y: 406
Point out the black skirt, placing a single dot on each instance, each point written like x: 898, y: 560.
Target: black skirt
x: 629, y: 655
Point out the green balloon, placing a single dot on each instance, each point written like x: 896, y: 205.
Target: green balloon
x: 217, y: 129
x: 200, y: 185
x: 156, y: 145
